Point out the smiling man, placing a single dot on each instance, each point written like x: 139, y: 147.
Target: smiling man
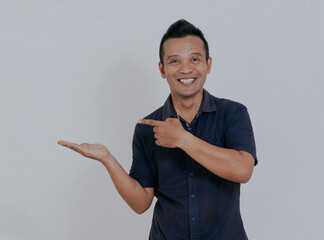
x: 192, y: 154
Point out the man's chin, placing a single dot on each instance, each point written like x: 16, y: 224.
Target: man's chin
x: 188, y: 94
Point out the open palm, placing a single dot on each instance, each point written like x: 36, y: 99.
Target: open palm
x: 96, y: 151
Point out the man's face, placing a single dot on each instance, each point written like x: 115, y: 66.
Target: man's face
x: 185, y: 66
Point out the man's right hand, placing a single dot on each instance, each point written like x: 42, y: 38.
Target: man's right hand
x: 95, y: 151
x: 137, y: 197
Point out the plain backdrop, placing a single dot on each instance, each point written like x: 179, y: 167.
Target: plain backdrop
x: 86, y: 71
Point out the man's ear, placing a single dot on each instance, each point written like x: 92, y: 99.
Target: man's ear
x: 161, y: 68
x: 209, y: 64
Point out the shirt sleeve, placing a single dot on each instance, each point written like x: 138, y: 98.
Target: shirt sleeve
x: 141, y: 170
x: 239, y: 132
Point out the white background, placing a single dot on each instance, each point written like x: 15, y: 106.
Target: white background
x: 86, y: 71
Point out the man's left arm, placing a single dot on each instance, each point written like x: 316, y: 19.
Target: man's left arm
x: 230, y: 164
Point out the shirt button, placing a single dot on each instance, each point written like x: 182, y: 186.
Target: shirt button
x: 193, y: 219
x: 191, y: 174
x: 192, y: 196
x: 189, y: 128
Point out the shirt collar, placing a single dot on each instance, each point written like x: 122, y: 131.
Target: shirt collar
x: 207, y: 105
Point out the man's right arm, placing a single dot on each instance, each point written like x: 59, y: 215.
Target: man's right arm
x: 137, y: 197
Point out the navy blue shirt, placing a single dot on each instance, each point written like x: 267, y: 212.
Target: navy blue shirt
x: 193, y: 203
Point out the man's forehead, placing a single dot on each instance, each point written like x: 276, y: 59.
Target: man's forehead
x: 188, y: 45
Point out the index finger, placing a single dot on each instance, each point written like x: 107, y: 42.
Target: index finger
x: 150, y: 122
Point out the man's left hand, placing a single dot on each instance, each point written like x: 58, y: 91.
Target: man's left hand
x: 168, y: 133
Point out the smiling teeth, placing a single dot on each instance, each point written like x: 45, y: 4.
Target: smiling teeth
x: 187, y: 80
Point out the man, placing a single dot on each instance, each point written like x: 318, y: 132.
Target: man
x: 191, y: 154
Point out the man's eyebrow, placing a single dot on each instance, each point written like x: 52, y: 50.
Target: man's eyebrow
x: 197, y: 53
x: 171, y: 56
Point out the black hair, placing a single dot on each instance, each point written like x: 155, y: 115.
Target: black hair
x: 181, y: 29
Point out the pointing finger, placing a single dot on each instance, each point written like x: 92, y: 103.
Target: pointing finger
x: 150, y: 122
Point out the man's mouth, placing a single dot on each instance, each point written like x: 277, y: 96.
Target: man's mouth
x: 187, y: 80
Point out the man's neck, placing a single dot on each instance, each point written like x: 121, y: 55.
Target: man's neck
x: 187, y: 108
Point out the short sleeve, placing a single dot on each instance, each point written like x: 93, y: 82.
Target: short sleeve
x: 239, y: 132
x: 140, y: 169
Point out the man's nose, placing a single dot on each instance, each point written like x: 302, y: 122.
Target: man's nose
x: 185, y: 68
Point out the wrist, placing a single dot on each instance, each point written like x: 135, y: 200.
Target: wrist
x: 185, y: 140
x: 107, y: 160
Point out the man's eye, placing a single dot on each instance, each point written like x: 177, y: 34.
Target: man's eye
x: 195, y: 59
x: 174, y: 61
